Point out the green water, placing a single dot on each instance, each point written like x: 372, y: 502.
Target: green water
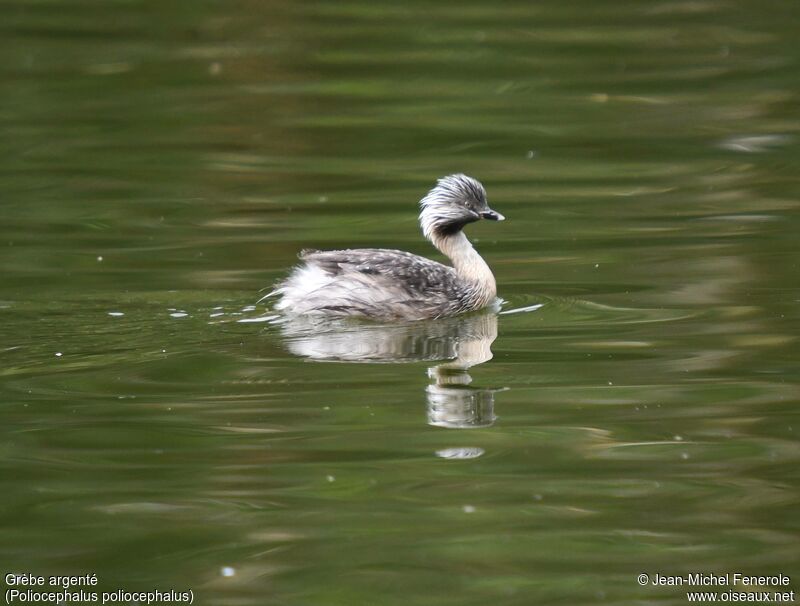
x: 164, y: 162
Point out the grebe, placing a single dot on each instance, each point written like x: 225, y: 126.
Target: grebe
x: 382, y: 284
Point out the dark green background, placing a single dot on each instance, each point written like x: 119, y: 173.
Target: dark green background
x: 162, y: 158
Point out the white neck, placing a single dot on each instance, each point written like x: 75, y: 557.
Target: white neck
x: 468, y: 264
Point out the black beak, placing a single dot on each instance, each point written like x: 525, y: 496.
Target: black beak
x: 491, y: 215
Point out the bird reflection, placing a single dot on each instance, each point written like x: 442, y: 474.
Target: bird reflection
x: 463, y: 341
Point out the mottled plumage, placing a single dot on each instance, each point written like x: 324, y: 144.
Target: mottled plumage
x: 386, y: 284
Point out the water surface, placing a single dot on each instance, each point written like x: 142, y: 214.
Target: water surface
x: 163, y: 164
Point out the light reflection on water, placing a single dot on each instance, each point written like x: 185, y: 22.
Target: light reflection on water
x: 466, y: 341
